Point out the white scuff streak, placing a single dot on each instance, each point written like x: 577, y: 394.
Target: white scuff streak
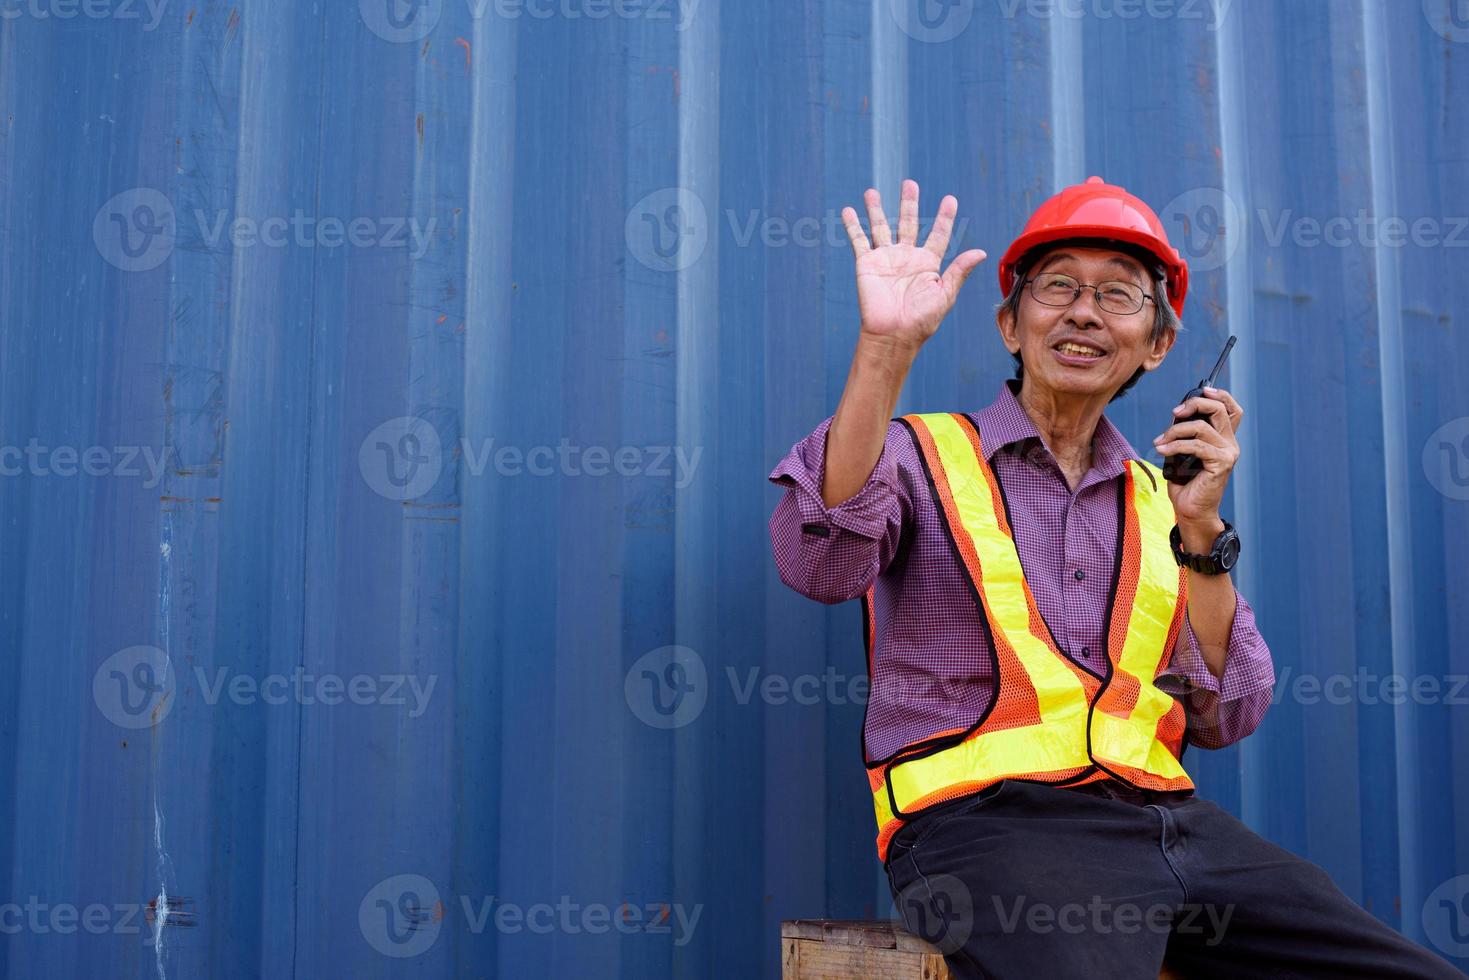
x: 1401, y: 589
x: 160, y: 905
x: 1068, y: 103
x: 889, y: 106
x: 160, y: 913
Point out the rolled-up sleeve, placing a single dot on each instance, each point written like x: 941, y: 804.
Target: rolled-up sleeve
x: 1221, y: 711
x: 833, y: 554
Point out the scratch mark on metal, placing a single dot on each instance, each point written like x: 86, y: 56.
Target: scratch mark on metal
x: 165, y: 612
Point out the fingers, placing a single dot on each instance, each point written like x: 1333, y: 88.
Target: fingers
x: 964, y: 263
x: 1200, y: 430
x: 908, y: 214
x: 860, y: 245
x: 1215, y: 410
x: 1236, y: 412
x: 876, y: 219
x: 943, y: 227
x: 1219, y: 405
x: 1206, y: 451
x: 938, y: 238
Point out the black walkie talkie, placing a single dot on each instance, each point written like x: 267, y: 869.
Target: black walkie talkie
x: 1184, y: 467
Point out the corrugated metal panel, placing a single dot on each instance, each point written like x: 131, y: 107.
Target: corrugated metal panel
x: 588, y: 227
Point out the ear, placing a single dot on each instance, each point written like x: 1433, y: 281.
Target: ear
x: 1009, y: 329
x: 1161, y: 347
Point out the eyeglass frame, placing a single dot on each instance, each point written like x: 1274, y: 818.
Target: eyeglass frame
x: 1076, y: 294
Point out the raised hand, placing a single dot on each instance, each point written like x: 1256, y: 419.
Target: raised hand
x: 901, y: 295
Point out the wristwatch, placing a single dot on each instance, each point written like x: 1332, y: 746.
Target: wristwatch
x: 1220, y: 559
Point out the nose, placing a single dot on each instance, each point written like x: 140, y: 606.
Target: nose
x: 1083, y: 309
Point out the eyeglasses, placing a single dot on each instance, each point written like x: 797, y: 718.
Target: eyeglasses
x: 1114, y: 296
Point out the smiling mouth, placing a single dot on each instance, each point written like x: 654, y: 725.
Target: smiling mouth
x: 1079, y: 350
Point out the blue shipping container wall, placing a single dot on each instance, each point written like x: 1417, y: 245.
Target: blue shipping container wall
x: 387, y: 391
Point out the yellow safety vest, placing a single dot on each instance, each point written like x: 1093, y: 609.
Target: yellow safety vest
x: 1051, y: 720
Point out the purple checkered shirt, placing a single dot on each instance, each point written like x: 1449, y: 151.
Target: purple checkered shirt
x: 931, y: 667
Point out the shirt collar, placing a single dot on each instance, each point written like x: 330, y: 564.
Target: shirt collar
x: 1004, y: 423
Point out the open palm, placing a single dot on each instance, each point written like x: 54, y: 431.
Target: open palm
x: 900, y: 291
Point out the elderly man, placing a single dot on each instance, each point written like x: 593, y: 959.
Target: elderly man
x: 1050, y: 622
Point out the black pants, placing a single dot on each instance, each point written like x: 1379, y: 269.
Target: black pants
x: 1030, y: 881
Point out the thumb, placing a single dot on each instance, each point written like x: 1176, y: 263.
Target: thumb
x: 959, y: 270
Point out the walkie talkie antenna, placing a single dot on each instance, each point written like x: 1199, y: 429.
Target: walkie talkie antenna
x: 1219, y: 364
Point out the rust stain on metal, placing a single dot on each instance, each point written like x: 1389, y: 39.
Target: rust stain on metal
x: 655, y: 69
x: 157, y: 713
x: 464, y: 44
x: 177, y: 911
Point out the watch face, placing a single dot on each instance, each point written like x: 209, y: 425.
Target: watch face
x: 1229, y: 553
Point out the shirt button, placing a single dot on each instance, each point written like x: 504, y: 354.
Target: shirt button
x: 1086, y: 651
x: 1080, y: 575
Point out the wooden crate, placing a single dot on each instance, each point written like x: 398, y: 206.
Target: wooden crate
x: 877, y: 949
x: 863, y: 949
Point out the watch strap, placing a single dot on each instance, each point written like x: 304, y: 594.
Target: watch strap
x: 1209, y: 564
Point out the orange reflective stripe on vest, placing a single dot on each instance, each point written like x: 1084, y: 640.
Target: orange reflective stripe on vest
x: 1051, y: 720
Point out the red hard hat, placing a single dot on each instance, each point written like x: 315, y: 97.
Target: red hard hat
x: 1098, y: 210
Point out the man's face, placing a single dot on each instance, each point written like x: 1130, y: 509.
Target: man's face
x: 1116, y: 344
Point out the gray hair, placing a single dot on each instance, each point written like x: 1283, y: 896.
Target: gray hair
x: 1164, y: 317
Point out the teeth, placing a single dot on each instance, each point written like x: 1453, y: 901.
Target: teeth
x: 1070, y: 348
